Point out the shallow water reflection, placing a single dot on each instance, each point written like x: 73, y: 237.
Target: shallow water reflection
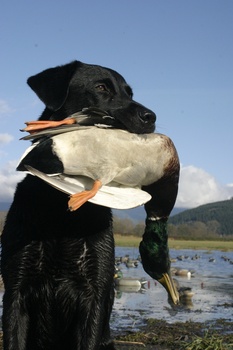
x: 212, y: 285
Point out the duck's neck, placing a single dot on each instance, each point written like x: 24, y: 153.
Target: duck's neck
x: 154, y: 248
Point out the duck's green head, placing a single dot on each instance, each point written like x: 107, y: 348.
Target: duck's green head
x: 155, y: 255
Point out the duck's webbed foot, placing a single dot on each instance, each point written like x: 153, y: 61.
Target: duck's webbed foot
x: 78, y: 199
x: 38, y: 125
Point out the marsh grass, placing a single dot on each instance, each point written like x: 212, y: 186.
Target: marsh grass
x: 208, y: 342
x: 160, y: 335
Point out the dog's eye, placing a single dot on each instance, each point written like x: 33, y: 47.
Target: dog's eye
x: 101, y: 87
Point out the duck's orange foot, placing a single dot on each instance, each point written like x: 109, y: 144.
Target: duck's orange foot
x: 38, y: 125
x: 78, y: 199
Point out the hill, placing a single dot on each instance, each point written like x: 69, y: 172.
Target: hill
x: 139, y: 214
x: 217, y: 217
x: 4, y: 206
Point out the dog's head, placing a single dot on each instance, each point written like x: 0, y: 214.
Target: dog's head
x: 69, y: 88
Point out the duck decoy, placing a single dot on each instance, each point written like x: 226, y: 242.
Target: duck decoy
x: 92, y: 161
x: 130, y: 282
x: 185, y: 294
x: 131, y: 263
x: 184, y: 272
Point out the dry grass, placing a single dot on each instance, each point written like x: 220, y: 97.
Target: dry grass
x: 160, y: 335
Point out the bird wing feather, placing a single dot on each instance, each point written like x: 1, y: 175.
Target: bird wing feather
x: 114, y: 196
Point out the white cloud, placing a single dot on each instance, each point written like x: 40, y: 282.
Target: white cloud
x: 5, y: 108
x: 9, y: 178
x: 5, y: 138
x: 197, y: 187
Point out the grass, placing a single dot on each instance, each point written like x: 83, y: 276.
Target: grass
x: 208, y: 342
x: 183, y: 336
x: 132, y: 241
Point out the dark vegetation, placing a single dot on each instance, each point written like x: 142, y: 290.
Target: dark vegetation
x: 212, y: 221
x: 160, y: 335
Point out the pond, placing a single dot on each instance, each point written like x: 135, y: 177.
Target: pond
x: 212, y: 285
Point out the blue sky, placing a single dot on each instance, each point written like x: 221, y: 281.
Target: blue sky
x: 176, y: 55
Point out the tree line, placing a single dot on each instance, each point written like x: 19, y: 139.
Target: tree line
x: 197, y: 230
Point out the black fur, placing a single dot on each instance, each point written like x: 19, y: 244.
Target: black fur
x: 58, y: 266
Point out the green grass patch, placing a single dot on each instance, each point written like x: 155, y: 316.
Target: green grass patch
x: 132, y: 241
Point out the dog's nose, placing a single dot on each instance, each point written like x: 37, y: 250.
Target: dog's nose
x: 148, y: 117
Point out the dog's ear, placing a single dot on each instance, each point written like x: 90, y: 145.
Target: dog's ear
x: 52, y: 85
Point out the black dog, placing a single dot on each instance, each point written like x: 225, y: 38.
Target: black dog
x: 58, y: 266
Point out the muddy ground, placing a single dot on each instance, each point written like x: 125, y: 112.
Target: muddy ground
x: 160, y: 335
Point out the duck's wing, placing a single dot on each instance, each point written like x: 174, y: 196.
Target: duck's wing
x: 54, y: 131
x: 86, y: 118
x: 113, y: 195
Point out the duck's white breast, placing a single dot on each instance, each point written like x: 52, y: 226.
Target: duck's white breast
x: 114, y: 155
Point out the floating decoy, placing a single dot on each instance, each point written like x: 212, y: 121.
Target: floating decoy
x: 94, y: 163
x: 183, y: 272
x: 185, y: 294
x: 131, y: 263
x: 195, y: 257
x: 128, y: 282
x: 180, y: 257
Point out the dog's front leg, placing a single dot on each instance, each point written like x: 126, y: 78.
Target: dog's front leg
x: 14, y: 322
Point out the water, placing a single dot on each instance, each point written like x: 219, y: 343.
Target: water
x: 212, y: 285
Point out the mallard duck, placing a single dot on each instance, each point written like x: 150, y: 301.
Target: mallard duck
x: 108, y: 160
x: 81, y: 160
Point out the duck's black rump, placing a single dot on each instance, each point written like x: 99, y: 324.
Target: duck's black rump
x: 42, y: 157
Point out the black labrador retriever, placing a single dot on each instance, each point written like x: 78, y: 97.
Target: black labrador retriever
x: 58, y: 266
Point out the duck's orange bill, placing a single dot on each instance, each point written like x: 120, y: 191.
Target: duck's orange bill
x: 38, y: 125
x: 78, y: 199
